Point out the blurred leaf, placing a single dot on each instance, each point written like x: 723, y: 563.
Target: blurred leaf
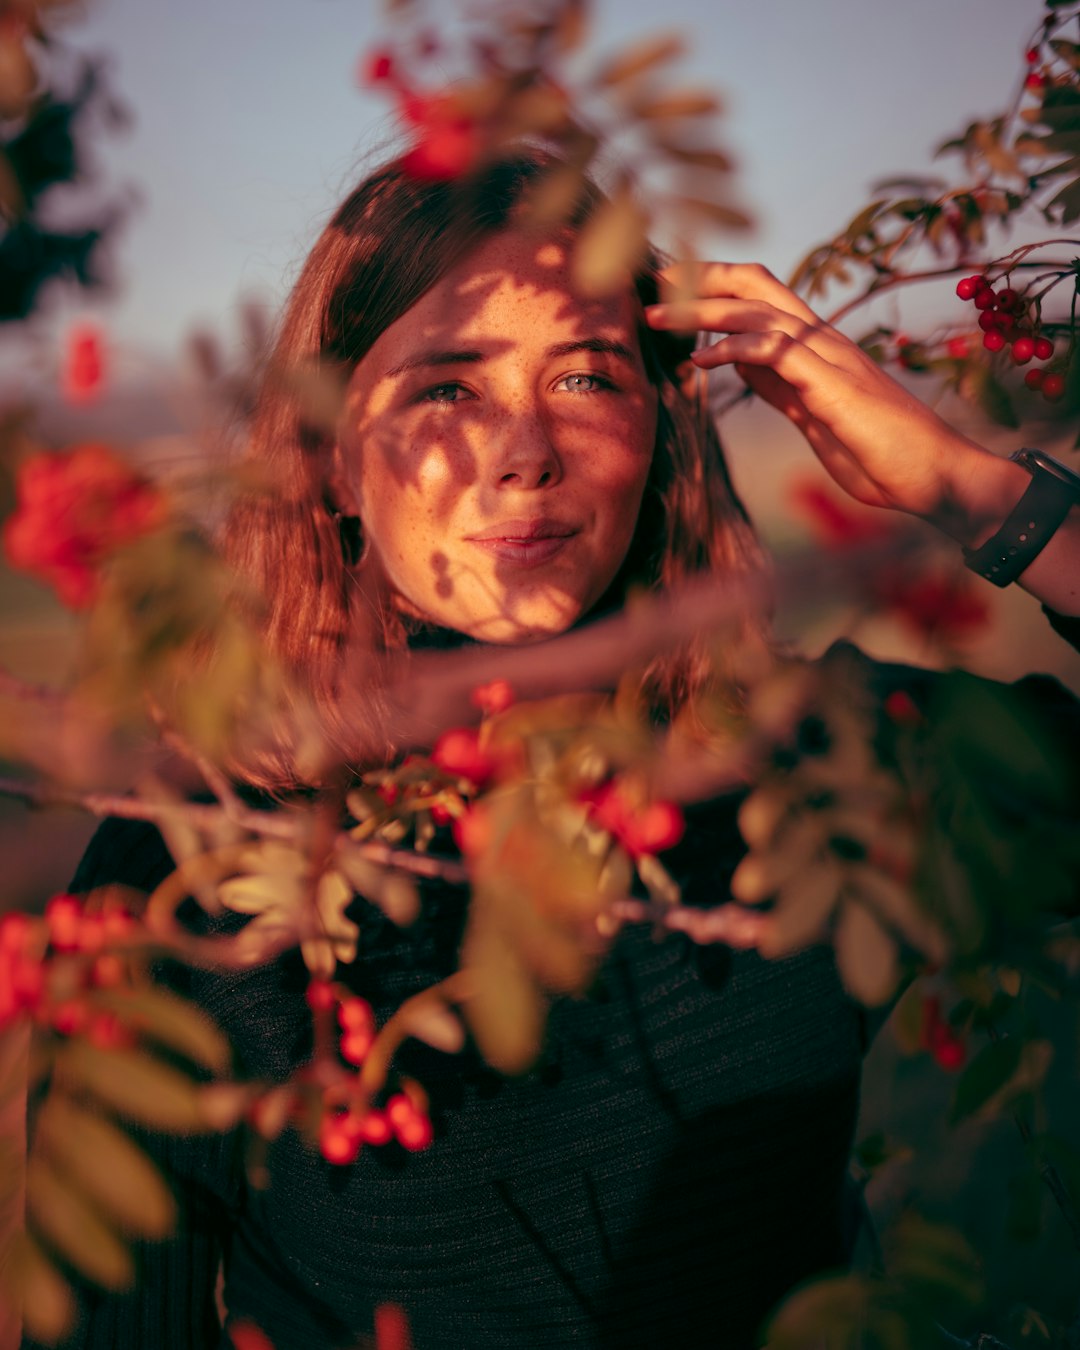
x: 171, y: 1021
x: 719, y: 213
x: 979, y: 386
x: 555, y: 195
x: 507, y: 1012
x: 135, y: 1085
x: 861, y: 224
x: 696, y: 157
x: 102, y: 1162
x: 668, y: 107
x: 866, y: 956
x: 610, y: 247
x: 1068, y: 51
x: 934, y: 1259
x: 635, y: 60
x: 75, y: 1229
x: 33, y: 1284
x: 571, y: 23
x: 1069, y: 201
x: 990, y: 1070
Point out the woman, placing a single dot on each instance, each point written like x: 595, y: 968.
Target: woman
x: 510, y: 458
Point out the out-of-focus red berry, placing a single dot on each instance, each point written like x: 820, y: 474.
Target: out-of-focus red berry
x: 107, y: 971
x: 958, y: 347
x: 392, y: 1328
x: 338, y: 1143
x: 441, y: 814
x: 377, y: 67
x: 1035, y: 82
x: 473, y: 831
x: 1044, y: 349
x: 494, y: 697
x: 1023, y: 349
x: 83, y: 372
x: 994, y: 340
x: 63, y: 915
x: 1053, y: 387
x: 70, y: 1017
x: 320, y: 995
x: 355, y: 1014
x: 356, y: 1045
x: 399, y: 1108
x: 967, y: 286
x: 375, y: 1128
x: 950, y: 1053
x: 15, y: 930
x: 900, y: 708
x: 656, y: 828
x: 1034, y: 378
x: 458, y: 752
x: 415, y: 1133
x: 1031, y: 56
x: 248, y: 1335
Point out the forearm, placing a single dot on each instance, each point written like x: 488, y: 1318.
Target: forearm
x: 982, y: 489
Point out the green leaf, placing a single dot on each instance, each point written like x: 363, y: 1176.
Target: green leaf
x: 988, y: 1072
x: 980, y: 386
x: 172, y: 1022
x: 1024, y: 1216
x: 102, y: 1162
x: 860, y: 224
x: 936, y: 1257
x: 135, y: 1085
x: 74, y: 1228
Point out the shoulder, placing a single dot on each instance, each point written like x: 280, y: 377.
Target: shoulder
x: 123, y: 853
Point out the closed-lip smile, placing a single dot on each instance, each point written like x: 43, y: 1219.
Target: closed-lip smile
x: 525, y: 543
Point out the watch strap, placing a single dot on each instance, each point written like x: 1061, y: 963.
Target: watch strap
x: 1028, y: 527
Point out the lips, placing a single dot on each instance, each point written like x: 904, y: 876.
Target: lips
x: 526, y: 543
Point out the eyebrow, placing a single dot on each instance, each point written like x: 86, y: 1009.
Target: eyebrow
x: 434, y: 359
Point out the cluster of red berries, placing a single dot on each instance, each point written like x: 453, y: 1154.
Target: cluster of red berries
x: 641, y: 828
x: 342, y: 1130
x: 1036, y: 80
x: 33, y: 984
x: 940, y: 1038
x: 1004, y: 322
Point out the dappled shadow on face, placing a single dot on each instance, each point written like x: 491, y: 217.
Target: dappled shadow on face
x: 501, y: 397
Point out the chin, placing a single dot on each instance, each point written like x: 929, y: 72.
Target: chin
x: 503, y: 629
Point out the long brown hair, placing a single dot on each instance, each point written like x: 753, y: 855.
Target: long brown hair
x: 389, y: 242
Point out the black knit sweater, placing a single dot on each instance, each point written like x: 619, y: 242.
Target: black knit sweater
x: 675, y: 1164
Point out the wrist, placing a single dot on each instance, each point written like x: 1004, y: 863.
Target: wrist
x: 979, y: 491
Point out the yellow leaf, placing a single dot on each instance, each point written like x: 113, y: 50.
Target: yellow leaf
x: 170, y: 1020
x: 71, y: 1225
x: 638, y: 58
x: 99, y: 1160
x: 718, y: 213
x: 570, y: 26
x: 691, y: 103
x: 802, y: 909
x: 134, y: 1085
x: 507, y: 1011
x: 610, y: 247
x: 33, y: 1284
x: 865, y: 955
x: 553, y: 198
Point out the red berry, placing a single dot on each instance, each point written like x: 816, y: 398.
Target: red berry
x: 27, y: 983
x: 957, y: 347
x: 377, y: 67
x: 1044, y: 349
x: 1031, y: 56
x: 1035, y: 81
x: 440, y: 814
x: 990, y: 319
x: 14, y: 932
x: 320, y: 995
x: 458, y: 752
x: 70, y: 1017
x: 415, y: 1134
x: 900, y: 708
x: 1023, y: 349
x: 494, y: 697
x: 994, y: 340
x: 355, y: 1014
x: 659, y: 826
x: 338, y: 1144
x: 967, y: 286
x: 984, y: 298
x: 1053, y: 387
x: 1006, y: 299
x: 1034, y: 378
x: 950, y: 1053
x: 389, y: 792
x: 247, y: 1335
x: 108, y: 971
x: 355, y: 1046
x: 63, y: 914
x: 473, y: 831
x: 399, y: 1108
x: 392, y: 1328
x: 375, y: 1128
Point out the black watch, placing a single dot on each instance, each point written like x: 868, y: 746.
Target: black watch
x: 1030, y: 525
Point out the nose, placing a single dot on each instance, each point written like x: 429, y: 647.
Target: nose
x: 526, y: 457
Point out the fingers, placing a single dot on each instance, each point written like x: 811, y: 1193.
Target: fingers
x: 746, y: 281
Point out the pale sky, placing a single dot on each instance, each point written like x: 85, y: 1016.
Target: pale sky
x: 249, y: 125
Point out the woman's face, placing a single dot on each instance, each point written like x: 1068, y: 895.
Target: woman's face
x: 497, y: 439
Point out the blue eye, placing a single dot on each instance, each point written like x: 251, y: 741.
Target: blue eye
x: 581, y: 383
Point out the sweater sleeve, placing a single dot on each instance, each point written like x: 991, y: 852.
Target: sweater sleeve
x: 173, y: 1304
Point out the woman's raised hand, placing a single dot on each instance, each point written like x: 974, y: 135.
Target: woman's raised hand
x: 880, y: 443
